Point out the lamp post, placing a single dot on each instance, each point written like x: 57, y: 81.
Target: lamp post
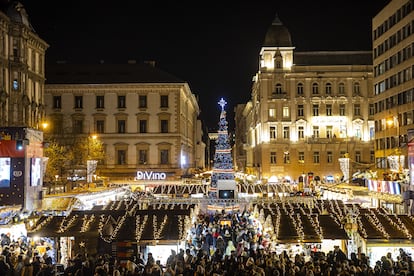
x: 396, y: 158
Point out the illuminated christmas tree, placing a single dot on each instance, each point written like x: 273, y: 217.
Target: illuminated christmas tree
x: 222, y: 178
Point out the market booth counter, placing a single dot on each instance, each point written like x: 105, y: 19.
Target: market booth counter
x: 385, y: 233
x: 322, y: 224
x: 119, y: 228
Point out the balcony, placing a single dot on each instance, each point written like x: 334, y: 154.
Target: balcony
x: 279, y: 96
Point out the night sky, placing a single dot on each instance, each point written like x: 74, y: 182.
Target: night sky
x: 212, y: 45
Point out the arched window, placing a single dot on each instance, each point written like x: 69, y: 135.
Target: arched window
x: 315, y: 88
x: 341, y: 88
x: 328, y: 88
x: 299, y: 89
x: 356, y: 88
x: 278, y: 88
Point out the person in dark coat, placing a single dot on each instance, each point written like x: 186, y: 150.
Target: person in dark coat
x: 5, y: 268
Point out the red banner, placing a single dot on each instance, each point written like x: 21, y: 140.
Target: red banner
x: 8, y: 149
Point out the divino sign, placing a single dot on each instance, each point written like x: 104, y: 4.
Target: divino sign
x: 150, y: 175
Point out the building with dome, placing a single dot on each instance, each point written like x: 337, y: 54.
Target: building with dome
x: 22, y: 63
x: 310, y: 116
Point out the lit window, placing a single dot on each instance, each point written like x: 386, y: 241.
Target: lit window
x: 329, y: 132
x: 286, y: 112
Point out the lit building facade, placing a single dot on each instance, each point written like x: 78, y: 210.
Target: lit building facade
x: 393, y: 51
x: 307, y: 111
x: 22, y: 56
x: 146, y: 118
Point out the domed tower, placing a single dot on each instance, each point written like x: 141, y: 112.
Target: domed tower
x: 277, y: 49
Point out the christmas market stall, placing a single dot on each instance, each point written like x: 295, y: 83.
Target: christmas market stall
x: 121, y: 228
x: 319, y: 225
x: 383, y: 232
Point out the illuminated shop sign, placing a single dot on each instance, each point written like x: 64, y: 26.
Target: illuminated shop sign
x: 150, y: 175
x: 328, y: 120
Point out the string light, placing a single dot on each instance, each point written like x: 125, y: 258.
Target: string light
x: 86, y: 223
x: 139, y: 227
x: 63, y: 227
x: 42, y: 224
x: 158, y: 230
x: 399, y: 224
x: 373, y: 219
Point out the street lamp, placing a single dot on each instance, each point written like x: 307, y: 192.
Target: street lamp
x: 396, y: 159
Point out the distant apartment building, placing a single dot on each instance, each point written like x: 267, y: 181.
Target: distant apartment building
x: 146, y: 118
x: 393, y: 52
x: 308, y: 110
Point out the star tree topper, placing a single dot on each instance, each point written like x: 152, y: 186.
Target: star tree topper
x: 222, y: 103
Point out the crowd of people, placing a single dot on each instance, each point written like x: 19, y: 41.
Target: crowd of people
x: 218, y: 244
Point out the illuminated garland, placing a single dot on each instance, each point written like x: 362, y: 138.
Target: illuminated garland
x: 139, y: 229
x: 101, y: 225
x: 86, y: 223
x: 42, y: 224
x: 63, y: 227
x: 359, y: 222
x: 399, y: 224
x: 181, y: 227
x: 277, y: 222
x: 158, y: 230
x: 373, y: 219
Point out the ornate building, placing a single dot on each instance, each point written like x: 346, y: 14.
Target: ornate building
x: 146, y: 118
x: 308, y: 110
x: 22, y: 61
x: 393, y: 50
